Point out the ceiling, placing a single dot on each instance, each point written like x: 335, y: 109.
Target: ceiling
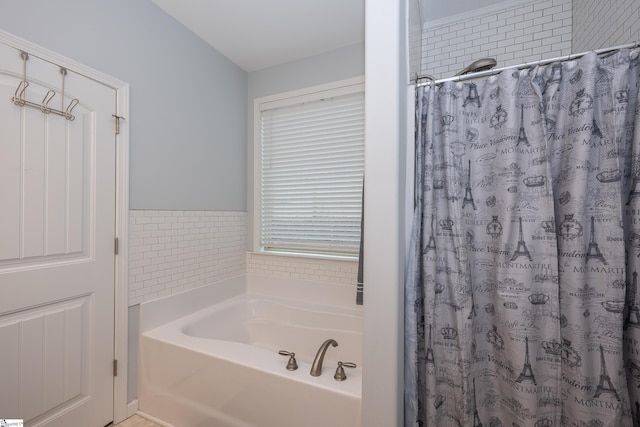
x: 257, y: 34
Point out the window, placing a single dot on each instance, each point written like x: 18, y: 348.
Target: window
x: 309, y: 171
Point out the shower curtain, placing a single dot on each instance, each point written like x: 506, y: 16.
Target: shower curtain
x: 521, y: 304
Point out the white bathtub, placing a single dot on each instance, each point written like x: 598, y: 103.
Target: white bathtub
x: 219, y: 366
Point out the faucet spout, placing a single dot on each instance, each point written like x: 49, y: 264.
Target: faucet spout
x: 316, y: 368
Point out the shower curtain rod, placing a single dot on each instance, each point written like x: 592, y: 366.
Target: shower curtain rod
x: 480, y: 74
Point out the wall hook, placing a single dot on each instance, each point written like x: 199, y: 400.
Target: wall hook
x: 70, y: 108
x: 18, y: 98
x: 44, y: 107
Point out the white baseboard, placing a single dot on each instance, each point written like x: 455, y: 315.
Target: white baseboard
x: 132, y: 408
x: 154, y: 419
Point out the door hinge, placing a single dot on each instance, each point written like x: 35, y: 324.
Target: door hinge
x: 115, y: 367
x: 116, y: 243
x: 117, y: 117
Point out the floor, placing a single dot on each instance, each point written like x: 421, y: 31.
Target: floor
x: 137, y: 421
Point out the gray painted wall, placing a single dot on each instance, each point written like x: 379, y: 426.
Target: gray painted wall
x: 339, y: 64
x: 188, y: 102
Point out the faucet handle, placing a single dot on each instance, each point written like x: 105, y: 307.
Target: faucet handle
x: 340, y: 375
x: 292, y: 365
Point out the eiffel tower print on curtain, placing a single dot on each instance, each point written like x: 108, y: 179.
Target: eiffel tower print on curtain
x: 431, y: 244
x: 468, y: 197
x: 527, y: 372
x: 593, y: 251
x: 522, y: 292
x: 605, y: 385
x: 522, y: 135
x: 522, y: 249
x: 473, y: 97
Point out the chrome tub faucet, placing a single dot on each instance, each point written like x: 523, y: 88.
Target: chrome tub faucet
x: 316, y: 368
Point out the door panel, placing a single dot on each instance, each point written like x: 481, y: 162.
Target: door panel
x: 50, y: 346
x: 46, y: 188
x: 57, y: 229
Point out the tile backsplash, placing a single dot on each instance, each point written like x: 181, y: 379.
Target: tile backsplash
x: 296, y: 267
x: 172, y: 251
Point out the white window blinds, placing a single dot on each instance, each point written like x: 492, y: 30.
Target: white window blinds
x: 311, y: 170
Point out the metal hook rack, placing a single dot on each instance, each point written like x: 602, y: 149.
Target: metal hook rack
x: 19, y: 97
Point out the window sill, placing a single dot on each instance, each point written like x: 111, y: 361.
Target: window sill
x: 321, y: 257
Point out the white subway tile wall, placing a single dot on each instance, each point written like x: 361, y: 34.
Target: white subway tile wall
x: 415, y: 51
x: 172, y: 251
x: 517, y: 34
x: 599, y: 24
x: 415, y: 38
x: 335, y: 271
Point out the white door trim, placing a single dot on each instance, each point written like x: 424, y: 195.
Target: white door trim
x: 122, y: 208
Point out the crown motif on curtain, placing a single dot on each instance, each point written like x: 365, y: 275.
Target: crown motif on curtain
x: 552, y: 347
x: 449, y: 333
x: 447, y: 119
x: 538, y: 298
x: 549, y: 226
x: 446, y: 224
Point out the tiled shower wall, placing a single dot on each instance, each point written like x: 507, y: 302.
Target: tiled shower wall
x: 415, y: 38
x: 519, y: 32
x: 599, y: 24
x: 172, y: 251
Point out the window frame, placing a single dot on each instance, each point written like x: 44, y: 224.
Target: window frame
x: 337, y: 88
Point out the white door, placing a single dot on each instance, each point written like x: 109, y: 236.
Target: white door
x: 57, y: 227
